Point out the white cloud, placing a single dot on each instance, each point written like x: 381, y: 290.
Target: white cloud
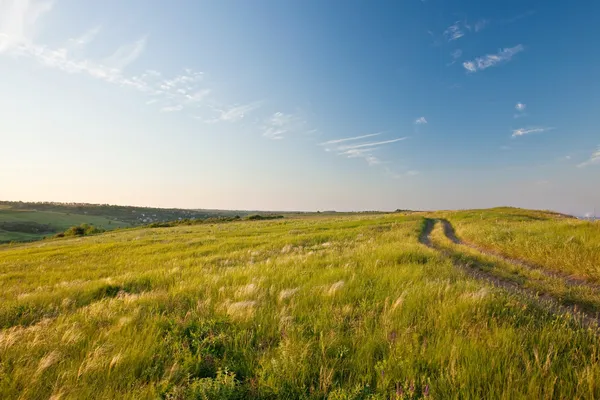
x: 365, y: 154
x: 18, y: 21
x: 454, y: 31
x: 527, y: 131
x: 178, y: 107
x: 372, y: 144
x: 84, y: 39
x: 594, y: 159
x: 479, y: 25
x: 520, y: 107
x: 280, y: 124
x: 490, y: 60
x: 456, y: 54
x: 361, y: 150
x: 398, y: 175
x: 235, y: 113
x: 470, y: 66
x: 460, y: 28
x: 420, y: 121
x: 351, y: 138
x: 126, y: 54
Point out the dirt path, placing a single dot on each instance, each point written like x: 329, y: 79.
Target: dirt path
x: 569, y: 280
x: 474, y: 270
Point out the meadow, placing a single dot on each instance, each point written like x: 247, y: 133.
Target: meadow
x: 25, y: 226
x: 560, y: 243
x: 336, y: 307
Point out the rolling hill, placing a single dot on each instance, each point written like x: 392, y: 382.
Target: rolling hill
x: 498, y: 303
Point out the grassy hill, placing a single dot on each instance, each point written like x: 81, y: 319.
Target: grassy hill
x: 23, y: 226
x: 25, y: 222
x: 475, y: 304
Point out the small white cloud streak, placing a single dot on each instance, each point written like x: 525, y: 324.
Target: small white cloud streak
x: 373, y: 144
x: 594, y: 159
x: 350, y: 139
x: 520, y: 107
x: 234, y: 113
x: 362, y: 153
x: 460, y: 28
x: 85, y: 39
x: 479, y: 25
x: 490, y: 60
x: 172, y: 108
x: 527, y: 131
x: 454, y: 31
x: 126, y: 54
x: 456, y: 54
x: 398, y: 175
x: 420, y: 121
x: 280, y: 124
x: 360, y: 150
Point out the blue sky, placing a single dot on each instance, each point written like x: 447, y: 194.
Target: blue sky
x: 301, y: 105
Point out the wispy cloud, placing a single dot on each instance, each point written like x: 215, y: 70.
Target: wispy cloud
x: 456, y: 54
x: 366, y: 154
x: 455, y: 31
x: 335, y: 141
x: 372, y: 144
x: 171, y: 108
x: 520, y: 107
x: 18, y: 23
x: 490, y: 60
x: 527, y: 131
x: 398, y: 175
x: 420, y: 121
x: 279, y: 125
x: 234, y: 113
x: 517, y: 17
x: 481, y: 24
x: 460, y: 28
x: 126, y: 54
x: 361, y: 149
x: 84, y: 39
x: 594, y: 159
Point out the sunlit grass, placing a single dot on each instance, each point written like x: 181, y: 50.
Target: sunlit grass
x: 561, y: 244
x: 340, y: 308
x: 535, y: 281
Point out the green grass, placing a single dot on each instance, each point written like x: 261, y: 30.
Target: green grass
x: 559, y: 243
x: 585, y: 298
x: 57, y: 221
x: 334, y: 307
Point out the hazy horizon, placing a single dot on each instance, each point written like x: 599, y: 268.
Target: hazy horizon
x: 300, y: 106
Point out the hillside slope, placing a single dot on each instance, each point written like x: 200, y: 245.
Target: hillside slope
x: 352, y: 307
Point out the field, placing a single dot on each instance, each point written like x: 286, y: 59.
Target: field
x: 133, y: 216
x: 394, y: 306
x: 23, y: 226
x: 563, y: 244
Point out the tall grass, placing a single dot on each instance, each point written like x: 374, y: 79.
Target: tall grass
x: 339, y: 308
x: 561, y: 244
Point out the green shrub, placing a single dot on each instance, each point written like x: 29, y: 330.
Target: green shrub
x: 81, y: 230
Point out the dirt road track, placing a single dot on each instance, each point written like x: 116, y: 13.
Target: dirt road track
x: 475, y: 271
